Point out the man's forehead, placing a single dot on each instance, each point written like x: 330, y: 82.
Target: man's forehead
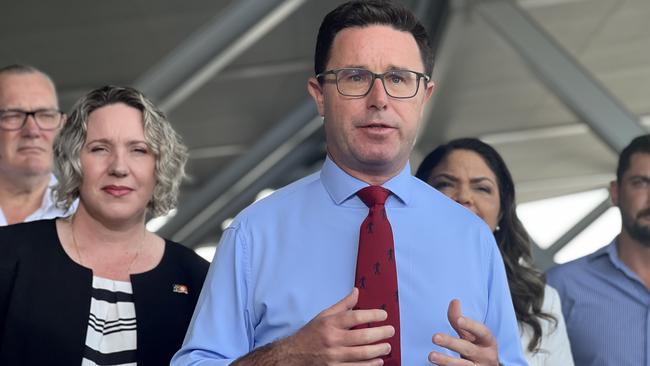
x: 375, y: 45
x: 20, y: 90
x: 639, y: 165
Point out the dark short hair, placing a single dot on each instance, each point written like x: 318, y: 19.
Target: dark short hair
x: 526, y: 282
x: 365, y: 13
x: 640, y: 144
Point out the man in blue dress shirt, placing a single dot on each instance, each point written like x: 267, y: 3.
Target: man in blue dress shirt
x: 280, y: 289
x: 605, y: 295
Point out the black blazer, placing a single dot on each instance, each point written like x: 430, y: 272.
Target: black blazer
x: 45, y: 300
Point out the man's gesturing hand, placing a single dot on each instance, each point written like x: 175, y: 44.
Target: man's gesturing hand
x: 475, y: 344
x: 329, y: 340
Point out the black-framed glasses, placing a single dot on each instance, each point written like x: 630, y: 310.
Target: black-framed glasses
x: 357, y: 82
x: 15, y: 119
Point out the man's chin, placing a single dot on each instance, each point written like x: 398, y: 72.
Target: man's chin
x: 36, y: 170
x: 379, y: 164
x: 640, y: 233
x: 379, y: 157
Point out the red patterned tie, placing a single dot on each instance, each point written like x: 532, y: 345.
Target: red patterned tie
x: 376, y: 275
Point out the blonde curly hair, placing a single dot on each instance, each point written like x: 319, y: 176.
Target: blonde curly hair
x: 164, y: 142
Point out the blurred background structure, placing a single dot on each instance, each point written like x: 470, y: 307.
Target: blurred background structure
x: 556, y: 86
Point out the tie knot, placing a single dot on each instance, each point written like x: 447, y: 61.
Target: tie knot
x: 373, y: 195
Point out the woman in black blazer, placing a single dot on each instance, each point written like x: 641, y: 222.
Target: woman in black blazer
x: 97, y: 287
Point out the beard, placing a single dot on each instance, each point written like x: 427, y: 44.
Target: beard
x: 635, y: 229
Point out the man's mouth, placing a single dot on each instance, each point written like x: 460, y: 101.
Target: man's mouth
x: 643, y: 213
x: 377, y: 127
x: 30, y: 149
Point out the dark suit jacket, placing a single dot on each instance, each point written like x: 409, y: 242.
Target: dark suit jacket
x: 45, y: 300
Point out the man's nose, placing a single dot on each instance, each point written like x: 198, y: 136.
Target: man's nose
x: 377, y: 97
x: 30, y: 127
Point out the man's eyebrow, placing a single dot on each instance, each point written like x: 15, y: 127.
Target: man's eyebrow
x: 640, y: 176
x: 365, y: 67
x: 28, y: 110
x: 395, y: 67
x: 353, y: 67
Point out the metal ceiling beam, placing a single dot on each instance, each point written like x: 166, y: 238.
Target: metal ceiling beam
x: 562, y: 74
x: 446, y: 47
x: 542, y: 259
x: 223, y: 187
x: 197, y: 60
x: 572, y: 83
x: 579, y: 227
x: 547, y: 132
x: 206, y: 52
x: 241, y: 195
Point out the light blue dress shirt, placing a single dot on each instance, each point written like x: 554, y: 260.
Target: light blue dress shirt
x: 606, y: 307
x: 293, y: 254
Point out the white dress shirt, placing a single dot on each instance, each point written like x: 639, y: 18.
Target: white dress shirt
x: 554, y: 347
x: 47, y: 210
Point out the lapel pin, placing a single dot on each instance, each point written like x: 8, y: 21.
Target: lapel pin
x: 180, y: 289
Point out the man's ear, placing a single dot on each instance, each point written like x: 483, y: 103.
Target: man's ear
x: 428, y: 91
x: 613, y: 192
x: 316, y: 91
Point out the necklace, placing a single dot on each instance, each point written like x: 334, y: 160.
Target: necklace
x: 135, y: 257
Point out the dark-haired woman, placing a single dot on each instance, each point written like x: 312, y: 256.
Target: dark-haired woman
x: 473, y: 174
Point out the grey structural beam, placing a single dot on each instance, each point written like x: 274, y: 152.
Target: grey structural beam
x: 214, y: 195
x: 199, y: 58
x: 241, y: 195
x: 211, y: 48
x: 544, y: 257
x: 562, y: 74
x: 579, y: 227
x: 449, y: 26
x: 543, y: 260
x: 572, y: 83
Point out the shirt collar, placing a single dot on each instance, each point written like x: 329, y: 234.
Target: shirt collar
x: 611, y: 251
x: 608, y: 250
x: 341, y: 186
x: 48, y: 200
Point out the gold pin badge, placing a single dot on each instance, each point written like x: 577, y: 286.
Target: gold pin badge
x: 180, y: 289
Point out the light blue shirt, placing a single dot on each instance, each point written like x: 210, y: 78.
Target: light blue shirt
x: 290, y: 256
x: 606, y: 307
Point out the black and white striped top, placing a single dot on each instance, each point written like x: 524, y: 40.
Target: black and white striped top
x: 111, y: 338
